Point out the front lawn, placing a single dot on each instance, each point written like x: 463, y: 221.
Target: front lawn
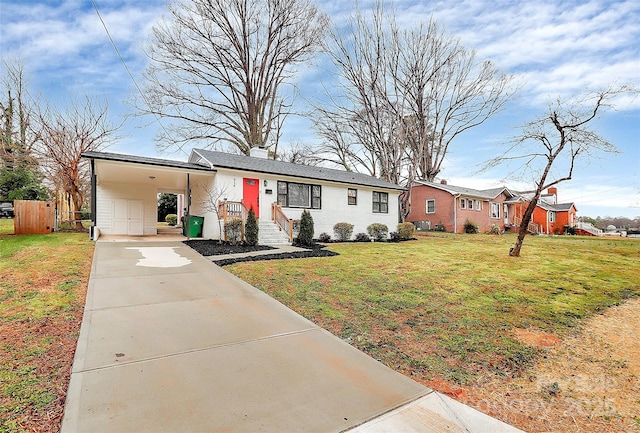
x: 452, y: 309
x: 43, y: 281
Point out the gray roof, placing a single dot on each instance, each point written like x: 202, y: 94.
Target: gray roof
x: 479, y: 193
x: 560, y: 207
x: 263, y: 165
x: 119, y: 157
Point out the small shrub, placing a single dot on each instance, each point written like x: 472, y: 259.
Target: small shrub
x: 343, y: 231
x: 324, y: 237
x: 568, y: 230
x: 251, y: 229
x: 171, y: 219
x: 362, y: 237
x: 378, y: 231
x: 494, y: 230
x: 305, y: 237
x: 470, y: 227
x: 405, y: 230
x: 395, y: 237
x: 233, y: 231
x: 440, y: 227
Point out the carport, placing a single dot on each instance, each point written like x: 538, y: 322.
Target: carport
x: 124, y: 191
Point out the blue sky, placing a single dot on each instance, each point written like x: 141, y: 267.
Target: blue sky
x: 553, y: 48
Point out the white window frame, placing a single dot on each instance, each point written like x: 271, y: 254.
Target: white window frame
x: 552, y: 216
x: 433, y: 200
x: 470, y: 204
x: 492, y: 207
x: 478, y: 205
x: 463, y: 203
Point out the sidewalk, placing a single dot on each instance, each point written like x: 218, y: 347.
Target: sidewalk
x: 171, y: 342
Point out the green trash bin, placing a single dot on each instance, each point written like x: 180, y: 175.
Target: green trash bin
x: 192, y: 226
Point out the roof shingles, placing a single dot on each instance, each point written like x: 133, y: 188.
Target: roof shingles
x: 263, y: 165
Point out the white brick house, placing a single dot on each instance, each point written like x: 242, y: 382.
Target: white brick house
x: 125, y: 190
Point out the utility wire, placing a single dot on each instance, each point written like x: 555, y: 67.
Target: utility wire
x: 135, y: 83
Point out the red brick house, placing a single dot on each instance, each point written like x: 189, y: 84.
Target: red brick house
x: 450, y: 207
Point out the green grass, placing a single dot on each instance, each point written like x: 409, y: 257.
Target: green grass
x: 42, y: 286
x: 6, y: 226
x: 445, y: 305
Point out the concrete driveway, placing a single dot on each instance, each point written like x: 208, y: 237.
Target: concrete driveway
x: 171, y: 342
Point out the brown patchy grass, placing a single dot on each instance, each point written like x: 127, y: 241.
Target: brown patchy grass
x: 456, y: 313
x: 43, y: 280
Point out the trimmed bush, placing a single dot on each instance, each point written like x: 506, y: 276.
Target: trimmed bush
x: 405, y: 230
x: 305, y: 237
x: 343, y: 231
x: 378, y: 231
x: 251, y: 229
x: 470, y: 228
x: 362, y: 237
x: 171, y: 219
x: 324, y: 237
x: 233, y: 231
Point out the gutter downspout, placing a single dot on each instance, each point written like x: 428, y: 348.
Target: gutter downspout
x: 455, y: 212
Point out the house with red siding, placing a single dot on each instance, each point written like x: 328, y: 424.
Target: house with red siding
x: 448, y: 207
x: 549, y: 217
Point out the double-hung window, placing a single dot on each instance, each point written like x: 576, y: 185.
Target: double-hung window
x: 478, y: 204
x: 470, y: 204
x: 463, y: 203
x: 494, y: 212
x: 291, y: 194
x: 352, y: 196
x: 380, y: 202
x: 552, y: 216
x: 431, y: 206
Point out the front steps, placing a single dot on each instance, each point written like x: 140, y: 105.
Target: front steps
x: 270, y: 234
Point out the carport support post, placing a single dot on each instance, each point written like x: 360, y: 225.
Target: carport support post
x: 185, y: 220
x: 94, y: 181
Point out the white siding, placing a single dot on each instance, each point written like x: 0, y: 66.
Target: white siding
x: 107, y: 192
x: 334, y: 202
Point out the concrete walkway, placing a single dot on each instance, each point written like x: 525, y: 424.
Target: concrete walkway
x: 171, y: 342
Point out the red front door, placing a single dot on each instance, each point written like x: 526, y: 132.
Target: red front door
x: 250, y: 194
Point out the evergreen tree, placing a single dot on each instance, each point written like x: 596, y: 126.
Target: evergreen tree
x: 305, y: 237
x: 251, y: 229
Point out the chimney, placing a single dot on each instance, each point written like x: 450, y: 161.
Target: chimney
x: 553, y: 191
x: 259, y: 152
x: 443, y: 182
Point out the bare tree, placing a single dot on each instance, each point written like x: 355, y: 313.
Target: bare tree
x: 550, y: 146
x: 62, y: 138
x: 213, y: 198
x: 16, y: 138
x: 218, y: 69
x: 406, y: 96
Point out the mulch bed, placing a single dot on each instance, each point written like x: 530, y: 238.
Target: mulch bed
x: 213, y: 247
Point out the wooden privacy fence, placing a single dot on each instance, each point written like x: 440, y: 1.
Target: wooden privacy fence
x: 33, y: 217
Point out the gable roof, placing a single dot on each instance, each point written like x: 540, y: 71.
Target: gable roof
x: 478, y: 193
x: 270, y: 166
x: 119, y: 157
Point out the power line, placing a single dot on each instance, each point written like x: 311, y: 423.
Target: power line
x: 135, y: 83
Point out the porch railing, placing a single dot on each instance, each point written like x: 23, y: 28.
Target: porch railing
x: 532, y: 227
x: 588, y: 227
x: 232, y: 210
x: 278, y: 217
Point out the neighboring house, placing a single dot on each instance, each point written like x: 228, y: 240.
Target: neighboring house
x: 126, y: 187
x: 439, y: 204
x: 450, y: 206
x: 549, y: 216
